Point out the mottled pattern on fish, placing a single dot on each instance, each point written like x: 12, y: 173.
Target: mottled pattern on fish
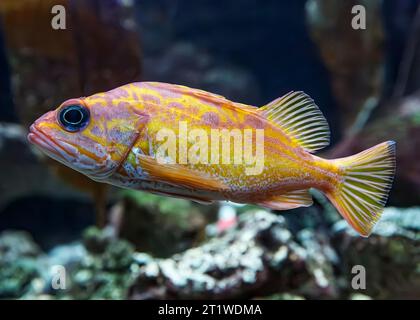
x: 118, y: 144
x: 167, y: 105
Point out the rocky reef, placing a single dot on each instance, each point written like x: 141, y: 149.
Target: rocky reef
x: 259, y: 258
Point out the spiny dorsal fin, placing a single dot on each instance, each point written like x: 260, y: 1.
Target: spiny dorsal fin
x: 300, y: 118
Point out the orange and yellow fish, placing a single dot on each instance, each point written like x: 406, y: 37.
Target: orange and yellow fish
x: 183, y: 142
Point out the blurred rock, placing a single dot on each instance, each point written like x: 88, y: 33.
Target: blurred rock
x: 403, y: 47
x: 15, y: 244
x: 19, y: 264
x: 77, y: 60
x: 258, y: 257
x: 359, y: 296
x: 115, y: 254
x: 390, y: 256
x: 158, y: 225
x: 355, y: 58
x: 283, y: 296
x: 103, y: 273
x: 89, y: 275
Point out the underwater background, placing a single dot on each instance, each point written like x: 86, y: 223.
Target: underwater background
x: 125, y: 244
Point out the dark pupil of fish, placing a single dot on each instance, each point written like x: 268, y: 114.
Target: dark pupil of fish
x: 73, y: 118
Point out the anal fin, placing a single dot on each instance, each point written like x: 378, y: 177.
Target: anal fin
x: 290, y: 200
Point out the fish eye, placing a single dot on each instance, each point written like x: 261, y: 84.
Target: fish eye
x: 74, y: 117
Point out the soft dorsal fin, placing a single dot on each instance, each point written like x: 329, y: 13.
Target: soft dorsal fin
x: 300, y: 118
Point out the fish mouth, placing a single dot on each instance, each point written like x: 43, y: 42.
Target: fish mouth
x: 48, y: 145
x: 66, y: 153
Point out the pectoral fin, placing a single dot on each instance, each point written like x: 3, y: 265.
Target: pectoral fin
x: 290, y: 200
x: 180, y: 175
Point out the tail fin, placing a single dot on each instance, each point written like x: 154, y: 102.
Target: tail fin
x: 361, y: 196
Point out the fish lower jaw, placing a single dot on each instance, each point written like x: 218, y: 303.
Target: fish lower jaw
x: 45, y: 145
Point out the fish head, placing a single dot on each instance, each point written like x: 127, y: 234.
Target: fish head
x: 92, y: 136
